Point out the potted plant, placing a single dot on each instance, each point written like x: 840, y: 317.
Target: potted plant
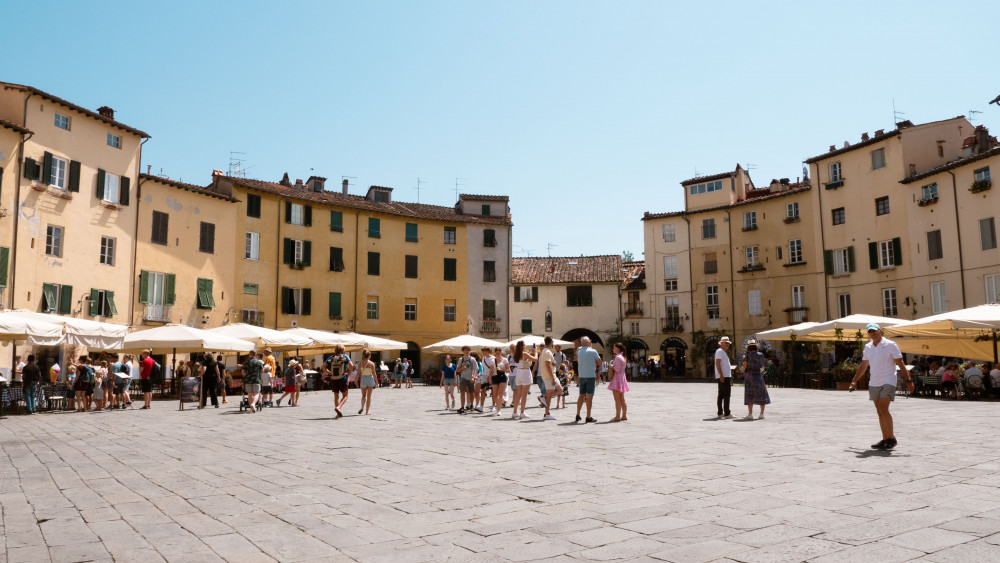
x: 980, y: 186
x: 843, y: 373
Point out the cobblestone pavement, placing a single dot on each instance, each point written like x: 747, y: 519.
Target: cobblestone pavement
x: 414, y: 482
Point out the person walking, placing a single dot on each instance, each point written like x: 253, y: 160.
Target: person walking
x: 409, y: 373
x: 31, y: 375
x: 547, y: 372
x: 619, y: 383
x: 588, y: 365
x: 883, y: 356
x: 467, y: 371
x: 100, y: 379
x: 487, y: 369
x: 724, y: 377
x: 290, y: 384
x: 523, y: 359
x: 252, y: 370
x: 337, y: 367
x: 366, y: 374
x: 755, y: 389
x: 448, y: 382
x: 209, y: 381
x: 499, y: 380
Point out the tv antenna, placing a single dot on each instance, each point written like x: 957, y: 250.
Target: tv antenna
x: 419, y: 181
x: 972, y: 115
x: 896, y: 114
x: 749, y: 166
x: 236, y: 168
x: 549, y: 247
x: 457, y: 184
x: 523, y: 250
x: 342, y: 178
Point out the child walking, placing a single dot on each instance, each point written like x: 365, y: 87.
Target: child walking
x: 619, y: 385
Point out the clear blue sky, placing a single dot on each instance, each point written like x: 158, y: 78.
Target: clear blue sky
x: 586, y: 114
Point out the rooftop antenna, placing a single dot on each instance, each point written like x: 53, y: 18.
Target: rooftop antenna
x: 523, y: 249
x: 896, y: 115
x: 342, y: 178
x: 972, y: 115
x: 549, y: 247
x: 236, y: 168
x: 419, y: 181
x: 749, y: 166
x: 457, y: 184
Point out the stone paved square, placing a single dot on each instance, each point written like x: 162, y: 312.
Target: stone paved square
x: 414, y: 482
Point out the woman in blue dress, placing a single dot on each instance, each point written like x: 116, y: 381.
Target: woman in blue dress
x: 754, y: 392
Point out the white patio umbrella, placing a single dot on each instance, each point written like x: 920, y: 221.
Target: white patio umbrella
x: 263, y: 337
x: 785, y: 332
x: 376, y: 343
x: 322, y: 339
x: 454, y: 345
x: 969, y: 333
x: 13, y: 328
x: 849, y: 326
x: 530, y: 339
x: 95, y: 335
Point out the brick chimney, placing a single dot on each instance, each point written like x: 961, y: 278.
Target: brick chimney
x: 106, y: 112
x: 298, y: 184
x: 833, y: 148
x: 880, y: 132
x: 344, y: 187
x: 864, y: 136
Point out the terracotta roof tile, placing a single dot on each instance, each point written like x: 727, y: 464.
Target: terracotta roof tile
x: 581, y: 269
x: 208, y: 191
x: 796, y: 188
x: 478, y: 197
x: 80, y: 109
x: 634, y: 275
x: 719, y: 176
x: 13, y: 126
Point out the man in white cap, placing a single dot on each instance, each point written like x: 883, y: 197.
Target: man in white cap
x: 724, y: 376
x: 882, y: 355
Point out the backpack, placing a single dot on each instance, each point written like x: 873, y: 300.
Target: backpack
x: 336, y: 366
x: 156, y: 374
x: 123, y: 368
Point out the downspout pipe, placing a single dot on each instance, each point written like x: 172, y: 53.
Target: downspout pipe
x: 822, y: 245
x: 135, y: 236
x: 357, y: 266
x: 958, y: 232
x: 732, y: 269
x: 690, y: 271
x: 17, y: 206
x: 277, y: 265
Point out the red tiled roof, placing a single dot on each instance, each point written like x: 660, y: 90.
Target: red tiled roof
x: 875, y: 139
x: 952, y: 165
x: 402, y: 209
x: 80, y: 109
x: 582, y: 269
x: 795, y: 188
x: 189, y: 187
x: 634, y: 275
x: 719, y: 176
x: 478, y: 197
x: 13, y: 126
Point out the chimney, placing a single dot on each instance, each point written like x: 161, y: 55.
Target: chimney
x: 216, y: 173
x: 880, y: 132
x: 149, y: 168
x: 982, y: 135
x: 285, y: 181
x: 344, y: 188
x: 904, y: 124
x: 833, y: 148
x: 106, y: 112
x: 298, y: 184
x: 864, y: 136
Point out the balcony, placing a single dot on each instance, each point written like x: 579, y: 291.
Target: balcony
x: 156, y: 313
x: 792, y: 219
x: 980, y: 186
x: 834, y: 185
x: 490, y: 326
x: 749, y: 227
x: 633, y: 310
x: 755, y: 267
x: 671, y: 325
x: 252, y: 317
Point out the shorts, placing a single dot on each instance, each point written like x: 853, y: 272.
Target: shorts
x: 253, y: 388
x: 587, y: 385
x: 367, y: 382
x: 498, y: 379
x: 465, y: 385
x: 339, y: 385
x: 290, y: 388
x: 449, y: 381
x: 266, y: 389
x: 147, y: 385
x: 882, y: 392
x: 524, y: 379
x: 397, y: 376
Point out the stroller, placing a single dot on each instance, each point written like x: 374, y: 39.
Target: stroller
x: 245, y: 400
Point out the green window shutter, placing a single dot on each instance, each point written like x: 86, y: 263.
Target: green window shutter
x: 307, y: 301
x: 109, y: 296
x: 29, y: 172
x: 49, y: 295
x: 66, y: 300
x: 828, y: 261
x: 286, y: 300
x: 850, y: 258
x: 873, y: 255
x: 334, y: 304
x: 525, y: 326
x: 336, y: 221
x: 411, y: 232
x: 450, y: 269
x: 309, y: 216
x: 205, y: 298
x: 100, y: 183
x: 289, y: 257
x: 307, y: 252
x: 143, y: 286
x: 486, y: 209
x: 288, y: 212
x: 4, y: 265
x: 170, y: 280
x: 47, y: 168
x: 897, y: 252
x: 123, y: 190
x: 95, y: 298
x: 374, y: 228
x: 74, y: 176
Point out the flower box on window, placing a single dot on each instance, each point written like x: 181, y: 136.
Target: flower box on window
x: 927, y: 201
x: 758, y: 267
x: 980, y: 186
x: 794, y: 219
x: 834, y: 185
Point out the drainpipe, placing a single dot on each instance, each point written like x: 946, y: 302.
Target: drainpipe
x: 732, y: 268
x: 357, y: 265
x: 277, y: 269
x: 690, y: 272
x: 958, y: 231
x: 17, y: 207
x: 135, y: 235
x: 822, y: 244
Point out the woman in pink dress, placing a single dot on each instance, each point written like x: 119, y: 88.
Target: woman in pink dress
x: 619, y: 385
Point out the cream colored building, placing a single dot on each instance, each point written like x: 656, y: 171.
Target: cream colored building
x: 667, y: 254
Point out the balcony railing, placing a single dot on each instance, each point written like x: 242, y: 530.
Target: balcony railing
x: 633, y: 310
x: 156, y: 313
x: 255, y: 318
x: 672, y: 326
x: 490, y: 326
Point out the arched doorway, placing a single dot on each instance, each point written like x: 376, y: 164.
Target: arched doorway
x: 578, y: 333
x: 637, y: 349
x: 674, y: 356
x: 412, y: 353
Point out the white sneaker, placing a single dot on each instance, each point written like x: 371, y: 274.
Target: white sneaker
x: 549, y: 417
x: 514, y: 416
x: 493, y: 408
x: 252, y: 409
x: 525, y: 415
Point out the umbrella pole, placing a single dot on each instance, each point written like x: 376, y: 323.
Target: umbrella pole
x: 180, y: 384
x: 995, y: 346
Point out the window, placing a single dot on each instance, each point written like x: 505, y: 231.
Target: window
x: 843, y: 260
x: 749, y: 220
x: 934, y: 249
x: 205, y: 298
x: 252, y: 316
x: 672, y: 317
x: 795, y: 251
x: 992, y: 288
x: 987, y: 233
x: 250, y: 289
x: 4, y: 263
x: 252, y: 250
x: 712, y: 301
x: 374, y: 227
x: 708, y: 228
x: 410, y: 309
x: 206, y: 241
x: 579, y: 296
x: 54, y: 241
x: 57, y: 173
x: 373, y: 263
x: 450, y: 269
x: 711, y: 264
x: 778, y: 250
x: 107, y: 251
x: 410, y: 266
x: 57, y: 298
x: 753, y: 303
x: 792, y: 210
x: 160, y: 221
x: 835, y: 172
x: 156, y: 290
x: 798, y: 303
x: 889, y: 302
x: 524, y: 293
x: 839, y: 216
x: 882, y: 205
x: 886, y: 254
x: 296, y: 301
x: 411, y: 232
x: 337, y: 221
x: 843, y: 304
x: 62, y: 121
x: 669, y: 266
x: 707, y: 187
x: 489, y: 238
x: 753, y: 255
x: 294, y: 213
x: 333, y: 310
x: 878, y: 159
x: 939, y: 301
x: 928, y: 192
x: 668, y: 233
x: 371, y: 308
x: 982, y: 175
x: 670, y: 285
x: 381, y: 196
x: 449, y: 310
x: 114, y: 141
x: 108, y: 184
x: 297, y: 253
x: 336, y: 259
x: 253, y: 205
x: 449, y: 235
x: 486, y: 209
x: 525, y: 326
x: 489, y: 309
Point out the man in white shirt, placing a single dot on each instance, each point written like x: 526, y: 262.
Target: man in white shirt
x: 18, y: 367
x: 883, y: 356
x: 724, y: 377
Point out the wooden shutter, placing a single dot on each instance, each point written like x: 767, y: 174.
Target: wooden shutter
x: 4, y: 265
x: 47, y: 168
x: 850, y: 258
x: 143, y: 286
x: 289, y: 257
x: 123, y: 190
x: 109, y: 296
x: 534, y: 294
x: 308, y: 215
x: 411, y: 232
x: 49, y: 298
x: 307, y: 252
x: 74, y: 176
x: 828, y: 261
x: 336, y: 221
x: 66, y: 300
x: 334, y: 304
x: 517, y: 294
x: 307, y: 301
x: 873, y: 255
x: 169, y: 282
x: 95, y: 302
x: 205, y: 298
x: 897, y: 252
x: 286, y: 300
x: 100, y: 183
x: 288, y: 212
x: 30, y: 171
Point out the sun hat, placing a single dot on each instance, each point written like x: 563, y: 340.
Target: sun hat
x: 293, y: 363
x: 725, y: 339
x: 751, y: 342
x: 871, y: 326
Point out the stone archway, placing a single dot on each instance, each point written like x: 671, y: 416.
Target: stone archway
x: 578, y: 333
x: 674, y: 356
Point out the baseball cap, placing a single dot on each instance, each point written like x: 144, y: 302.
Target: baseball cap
x: 871, y: 326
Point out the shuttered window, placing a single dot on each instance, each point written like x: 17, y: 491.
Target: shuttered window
x: 253, y: 205
x: 160, y: 222
x: 934, y: 250
x: 489, y: 238
x: 4, y: 265
x: 450, y: 269
x: 410, y: 266
x: 489, y: 271
x: 374, y: 263
x: 205, y: 298
x: 206, y: 239
x: 987, y: 233
x: 334, y: 305
x: 336, y: 259
x: 411, y: 232
x: 337, y: 221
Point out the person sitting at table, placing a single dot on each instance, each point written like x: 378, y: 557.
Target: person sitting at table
x: 995, y: 379
x: 949, y: 381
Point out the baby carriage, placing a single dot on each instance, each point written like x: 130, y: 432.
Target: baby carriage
x: 245, y: 401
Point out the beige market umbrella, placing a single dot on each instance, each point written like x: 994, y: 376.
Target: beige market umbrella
x: 849, y: 328
x: 531, y: 339
x: 95, y: 335
x: 13, y: 328
x: 454, y: 345
x: 785, y: 332
x: 376, y: 343
x: 322, y: 339
x: 263, y: 337
x: 967, y: 333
